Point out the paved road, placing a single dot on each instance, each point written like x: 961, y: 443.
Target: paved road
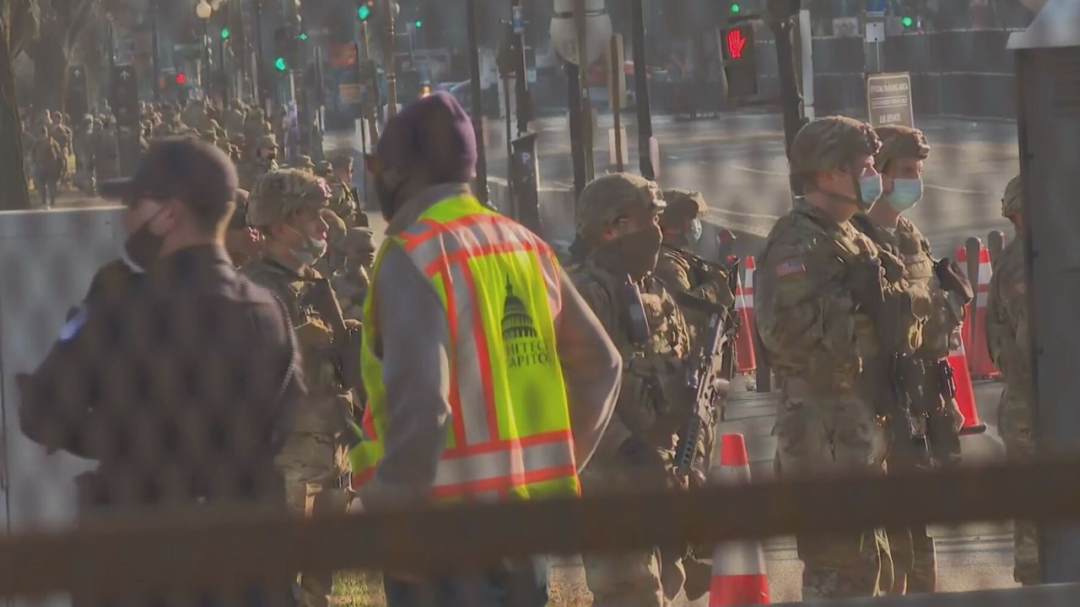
x: 972, y: 556
x: 738, y: 161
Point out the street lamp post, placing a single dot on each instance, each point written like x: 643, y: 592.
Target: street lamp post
x: 203, y: 10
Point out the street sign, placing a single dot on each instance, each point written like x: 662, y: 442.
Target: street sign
x: 349, y: 93
x: 888, y: 99
x: 342, y: 55
x: 125, y: 94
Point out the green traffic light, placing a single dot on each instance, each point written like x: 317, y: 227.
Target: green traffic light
x: 303, y: 36
x: 907, y: 21
x: 418, y: 23
x: 225, y: 33
x: 363, y: 12
x: 735, y: 8
x: 279, y: 64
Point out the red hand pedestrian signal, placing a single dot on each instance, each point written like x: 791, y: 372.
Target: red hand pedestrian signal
x: 736, y: 42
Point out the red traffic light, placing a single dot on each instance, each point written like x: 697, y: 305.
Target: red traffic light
x: 736, y: 43
x: 181, y: 78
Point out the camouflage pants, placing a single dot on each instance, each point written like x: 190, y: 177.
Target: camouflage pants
x: 626, y: 579
x: 829, y: 434
x: 913, y: 552
x: 311, y: 466
x: 1017, y: 430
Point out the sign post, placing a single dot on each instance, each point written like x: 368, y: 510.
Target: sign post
x: 888, y: 99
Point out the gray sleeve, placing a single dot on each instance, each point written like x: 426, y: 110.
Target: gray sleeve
x: 416, y: 372
x: 592, y: 370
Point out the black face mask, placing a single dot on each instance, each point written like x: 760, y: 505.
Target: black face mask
x: 143, y: 246
x: 635, y: 253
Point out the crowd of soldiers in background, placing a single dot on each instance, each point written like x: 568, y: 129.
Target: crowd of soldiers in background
x: 249, y: 137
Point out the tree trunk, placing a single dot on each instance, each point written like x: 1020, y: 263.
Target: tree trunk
x: 50, y: 70
x: 14, y: 194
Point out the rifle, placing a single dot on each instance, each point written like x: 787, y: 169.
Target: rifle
x: 719, y: 339
x: 346, y: 344
x: 882, y: 379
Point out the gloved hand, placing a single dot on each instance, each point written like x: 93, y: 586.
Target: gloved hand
x: 864, y: 280
x: 953, y: 280
x: 892, y: 262
x: 636, y: 452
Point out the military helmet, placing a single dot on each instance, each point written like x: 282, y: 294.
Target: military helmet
x: 683, y: 205
x: 831, y: 143
x: 278, y: 194
x: 1013, y: 201
x: 610, y: 197
x: 898, y: 141
x: 303, y: 162
x: 357, y: 239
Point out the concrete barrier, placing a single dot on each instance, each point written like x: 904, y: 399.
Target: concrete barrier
x: 52, y: 256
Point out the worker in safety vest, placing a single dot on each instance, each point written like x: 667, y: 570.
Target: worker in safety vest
x: 488, y: 378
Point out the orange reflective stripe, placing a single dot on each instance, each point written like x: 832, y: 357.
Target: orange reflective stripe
x: 457, y: 420
x: 498, y: 465
x: 477, y: 348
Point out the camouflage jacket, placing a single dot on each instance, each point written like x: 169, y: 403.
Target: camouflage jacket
x: 327, y: 406
x: 654, y: 401
x: 680, y: 273
x: 1007, y: 318
x: 252, y: 168
x: 940, y: 332
x: 342, y: 200
x: 807, y: 317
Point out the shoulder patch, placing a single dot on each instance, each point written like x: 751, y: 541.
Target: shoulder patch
x: 75, y: 322
x: 790, y: 267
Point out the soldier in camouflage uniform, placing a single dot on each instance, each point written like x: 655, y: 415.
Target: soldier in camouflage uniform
x: 1007, y: 338
x: 286, y: 206
x: 344, y: 201
x: 261, y: 160
x: 685, y: 277
x: 334, y: 260
x: 926, y: 377
x: 49, y: 166
x: 351, y: 284
x: 819, y: 280
x: 618, y: 217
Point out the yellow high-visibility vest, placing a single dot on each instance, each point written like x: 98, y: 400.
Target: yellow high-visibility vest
x: 509, y: 436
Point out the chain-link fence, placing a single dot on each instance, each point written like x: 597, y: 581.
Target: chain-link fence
x: 186, y: 499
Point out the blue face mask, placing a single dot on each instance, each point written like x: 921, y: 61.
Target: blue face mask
x: 694, y: 234
x: 871, y: 188
x: 905, y: 195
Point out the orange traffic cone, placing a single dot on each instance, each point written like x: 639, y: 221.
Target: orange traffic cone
x: 975, y: 341
x: 745, y: 361
x: 965, y: 393
x: 738, y: 574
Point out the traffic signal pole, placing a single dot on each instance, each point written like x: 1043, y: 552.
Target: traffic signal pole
x: 641, y: 88
x: 476, y: 92
x: 521, y: 89
x: 388, y: 58
x: 783, y: 20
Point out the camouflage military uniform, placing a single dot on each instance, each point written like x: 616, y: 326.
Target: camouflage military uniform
x: 351, y: 284
x: 926, y: 375
x: 1007, y: 338
x: 252, y: 167
x: 815, y: 337
x: 925, y: 382
x: 681, y: 273
x: 313, y: 461
x: 344, y: 203
x: 654, y: 403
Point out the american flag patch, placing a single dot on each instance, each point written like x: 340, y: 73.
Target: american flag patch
x: 789, y: 268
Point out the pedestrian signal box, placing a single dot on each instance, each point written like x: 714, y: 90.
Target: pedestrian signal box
x: 740, y: 63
